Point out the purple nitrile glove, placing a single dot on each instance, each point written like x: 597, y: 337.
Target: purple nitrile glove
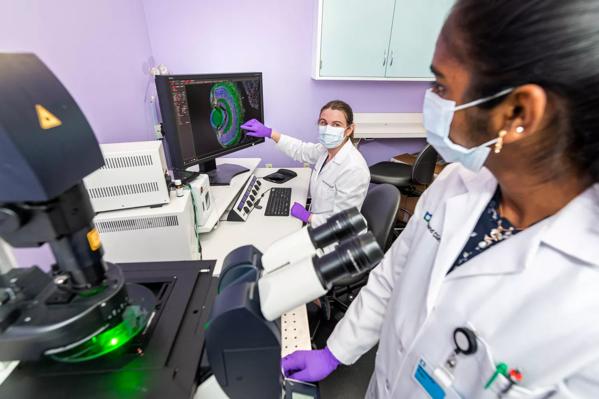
x: 256, y: 129
x: 298, y: 211
x: 309, y: 366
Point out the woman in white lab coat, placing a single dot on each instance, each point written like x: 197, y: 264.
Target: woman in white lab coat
x: 341, y: 176
x: 493, y: 288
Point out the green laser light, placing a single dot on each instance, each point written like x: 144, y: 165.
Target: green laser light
x: 134, y: 320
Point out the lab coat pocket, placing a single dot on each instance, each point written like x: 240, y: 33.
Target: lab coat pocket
x: 324, y: 200
x: 478, y: 376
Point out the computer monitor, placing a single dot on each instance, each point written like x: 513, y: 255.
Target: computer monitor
x: 202, y: 115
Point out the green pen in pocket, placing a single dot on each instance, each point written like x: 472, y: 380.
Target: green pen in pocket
x: 500, y: 369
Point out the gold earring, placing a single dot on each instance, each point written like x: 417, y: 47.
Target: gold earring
x: 499, y: 144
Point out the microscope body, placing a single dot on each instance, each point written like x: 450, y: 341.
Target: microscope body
x: 243, y: 338
x: 244, y: 349
x: 46, y: 148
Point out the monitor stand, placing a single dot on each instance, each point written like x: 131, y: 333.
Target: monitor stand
x: 222, y: 174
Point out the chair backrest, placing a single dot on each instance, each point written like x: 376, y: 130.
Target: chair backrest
x: 424, y: 166
x: 380, y: 209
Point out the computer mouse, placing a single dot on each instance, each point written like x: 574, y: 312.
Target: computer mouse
x: 276, y: 177
x: 287, y: 172
x: 280, y: 176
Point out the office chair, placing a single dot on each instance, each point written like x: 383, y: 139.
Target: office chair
x: 405, y: 177
x: 379, y: 209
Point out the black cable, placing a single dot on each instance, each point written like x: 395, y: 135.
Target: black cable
x: 257, y: 202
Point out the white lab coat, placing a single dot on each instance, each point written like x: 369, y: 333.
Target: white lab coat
x: 532, y: 299
x: 340, y: 185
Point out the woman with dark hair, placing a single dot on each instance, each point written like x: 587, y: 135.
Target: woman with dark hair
x: 341, y: 176
x: 493, y: 288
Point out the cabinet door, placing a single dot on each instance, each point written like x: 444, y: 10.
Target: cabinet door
x: 355, y: 37
x: 416, y: 25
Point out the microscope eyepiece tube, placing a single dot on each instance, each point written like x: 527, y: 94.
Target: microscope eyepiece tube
x: 306, y: 241
x: 302, y: 281
x: 351, y: 257
x: 337, y: 228
x: 289, y: 287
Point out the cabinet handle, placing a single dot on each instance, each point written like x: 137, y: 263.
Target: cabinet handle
x: 391, y: 61
x: 385, y: 58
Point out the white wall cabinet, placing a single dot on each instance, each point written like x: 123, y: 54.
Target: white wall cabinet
x: 377, y: 39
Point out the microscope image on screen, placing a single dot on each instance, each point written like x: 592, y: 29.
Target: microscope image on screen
x: 252, y: 90
x: 227, y: 113
x: 202, y: 117
x: 221, y: 108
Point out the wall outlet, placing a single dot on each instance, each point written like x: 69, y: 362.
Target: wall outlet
x: 158, y: 131
x: 268, y: 165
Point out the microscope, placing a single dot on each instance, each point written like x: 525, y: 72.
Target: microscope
x: 43, y: 158
x: 86, y: 328
x: 89, y: 328
x: 255, y: 289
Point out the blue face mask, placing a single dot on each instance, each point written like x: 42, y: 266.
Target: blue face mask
x: 437, y: 114
x: 331, y: 136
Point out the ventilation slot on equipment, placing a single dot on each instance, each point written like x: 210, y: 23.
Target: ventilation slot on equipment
x: 132, y: 161
x: 137, y: 224
x: 122, y: 190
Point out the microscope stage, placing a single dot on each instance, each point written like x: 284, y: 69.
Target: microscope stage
x: 162, y: 361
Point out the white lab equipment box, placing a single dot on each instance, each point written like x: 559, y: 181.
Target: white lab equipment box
x: 200, y: 187
x: 150, y: 234
x: 133, y: 176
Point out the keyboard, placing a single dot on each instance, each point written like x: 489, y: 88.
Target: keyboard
x: 278, y: 202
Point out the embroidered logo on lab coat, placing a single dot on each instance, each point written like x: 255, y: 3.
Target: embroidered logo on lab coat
x: 427, y: 218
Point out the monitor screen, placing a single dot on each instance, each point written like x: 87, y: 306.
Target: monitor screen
x: 202, y: 114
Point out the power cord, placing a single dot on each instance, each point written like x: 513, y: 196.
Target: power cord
x: 257, y: 202
x: 195, y: 217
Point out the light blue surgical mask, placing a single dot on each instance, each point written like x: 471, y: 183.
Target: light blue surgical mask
x: 331, y: 136
x: 437, y: 114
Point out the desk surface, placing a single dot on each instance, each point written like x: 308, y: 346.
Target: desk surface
x: 258, y: 230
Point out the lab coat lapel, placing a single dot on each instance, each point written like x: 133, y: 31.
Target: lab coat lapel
x: 580, y: 219
x: 514, y: 255
x: 517, y: 251
x: 461, y: 214
x: 319, y: 163
x: 331, y: 170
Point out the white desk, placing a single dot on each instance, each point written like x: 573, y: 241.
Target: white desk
x: 258, y: 230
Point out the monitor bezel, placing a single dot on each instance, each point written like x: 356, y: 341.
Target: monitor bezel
x: 169, y: 125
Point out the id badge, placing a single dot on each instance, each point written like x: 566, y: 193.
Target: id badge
x: 426, y: 380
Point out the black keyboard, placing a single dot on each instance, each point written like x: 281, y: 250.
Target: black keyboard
x: 278, y: 202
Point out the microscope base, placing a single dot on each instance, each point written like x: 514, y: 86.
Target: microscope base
x: 163, y: 362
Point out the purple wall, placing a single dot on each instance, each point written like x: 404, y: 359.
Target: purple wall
x: 276, y: 38
x: 100, y: 51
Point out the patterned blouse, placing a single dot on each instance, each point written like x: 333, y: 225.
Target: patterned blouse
x: 490, y: 229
